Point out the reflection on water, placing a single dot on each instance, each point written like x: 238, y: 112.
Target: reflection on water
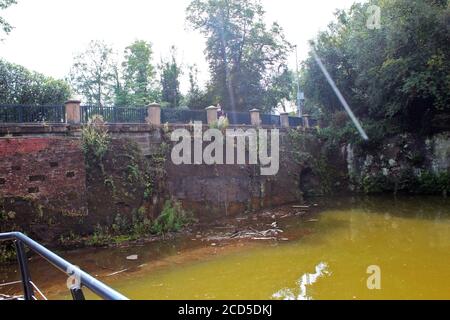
x: 306, y: 280
x: 408, y: 238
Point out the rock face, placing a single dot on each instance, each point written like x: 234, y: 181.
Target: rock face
x: 400, y: 164
x: 440, y: 149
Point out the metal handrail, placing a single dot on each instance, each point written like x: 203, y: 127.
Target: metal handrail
x: 86, y: 280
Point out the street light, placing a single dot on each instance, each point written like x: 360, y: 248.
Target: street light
x: 300, y: 94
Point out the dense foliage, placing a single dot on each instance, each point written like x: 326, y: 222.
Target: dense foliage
x: 170, y: 71
x: 101, y: 80
x: 21, y: 86
x: 396, y: 78
x: 94, y: 74
x: 138, y: 73
x: 197, y: 97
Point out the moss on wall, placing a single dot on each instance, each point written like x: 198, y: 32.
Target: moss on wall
x: 403, y: 164
x: 321, y: 162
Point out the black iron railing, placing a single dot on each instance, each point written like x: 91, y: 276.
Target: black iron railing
x: 114, y: 114
x: 57, y: 114
x: 239, y: 118
x: 85, y: 280
x: 32, y: 114
x: 295, y: 122
x: 181, y: 116
x: 270, y: 120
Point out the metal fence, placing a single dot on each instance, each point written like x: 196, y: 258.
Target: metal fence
x: 295, y: 122
x: 32, y: 114
x: 178, y: 116
x: 114, y: 114
x: 239, y: 118
x: 270, y: 120
x: 56, y: 114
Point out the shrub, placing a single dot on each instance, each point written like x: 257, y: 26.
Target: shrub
x: 95, y: 139
x: 374, y: 183
x: 7, y: 253
x: 433, y: 183
x: 172, y: 219
x: 222, y: 124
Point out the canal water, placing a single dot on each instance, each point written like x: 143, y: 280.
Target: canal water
x: 348, y: 248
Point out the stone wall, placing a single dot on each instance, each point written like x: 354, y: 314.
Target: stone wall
x: 48, y: 189
x: 226, y: 190
x: 401, y: 164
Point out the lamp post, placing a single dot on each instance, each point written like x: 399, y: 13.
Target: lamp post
x: 300, y: 94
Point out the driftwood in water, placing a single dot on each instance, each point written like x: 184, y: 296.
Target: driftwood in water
x: 252, y: 234
x: 116, y: 273
x: 301, y: 207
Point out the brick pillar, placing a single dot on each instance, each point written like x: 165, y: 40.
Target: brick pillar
x: 255, y: 117
x: 284, y: 117
x: 73, y: 111
x: 211, y: 114
x: 154, y: 114
x: 306, y: 121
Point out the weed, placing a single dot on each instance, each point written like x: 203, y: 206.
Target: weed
x: 95, y: 140
x: 172, y: 219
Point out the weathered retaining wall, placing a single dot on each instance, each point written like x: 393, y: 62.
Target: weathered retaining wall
x: 48, y: 189
x: 219, y: 190
x: 46, y: 168
x: 42, y: 185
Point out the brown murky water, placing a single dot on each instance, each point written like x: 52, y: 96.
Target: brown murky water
x: 327, y: 257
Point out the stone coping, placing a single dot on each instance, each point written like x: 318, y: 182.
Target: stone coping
x: 61, y: 128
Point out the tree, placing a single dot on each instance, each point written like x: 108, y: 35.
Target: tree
x: 4, y: 25
x: 196, y: 97
x: 243, y: 54
x: 170, y: 84
x: 94, y: 74
x: 138, y: 75
x: 281, y: 91
x: 397, y: 77
x: 21, y: 86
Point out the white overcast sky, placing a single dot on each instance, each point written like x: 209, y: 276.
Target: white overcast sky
x: 48, y: 33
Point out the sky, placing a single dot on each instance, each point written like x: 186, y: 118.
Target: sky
x: 48, y: 33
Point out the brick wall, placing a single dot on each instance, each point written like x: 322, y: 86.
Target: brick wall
x: 48, y: 169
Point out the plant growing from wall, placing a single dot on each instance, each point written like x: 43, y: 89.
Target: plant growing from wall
x: 95, y: 141
x: 222, y: 124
